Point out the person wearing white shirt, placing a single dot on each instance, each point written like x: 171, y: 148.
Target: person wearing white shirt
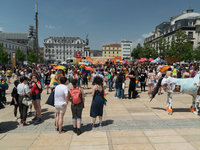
x: 60, y: 102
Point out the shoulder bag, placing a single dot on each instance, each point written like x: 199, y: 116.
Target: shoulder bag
x: 26, y: 100
x: 123, y: 84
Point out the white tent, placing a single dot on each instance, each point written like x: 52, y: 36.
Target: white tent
x: 158, y: 60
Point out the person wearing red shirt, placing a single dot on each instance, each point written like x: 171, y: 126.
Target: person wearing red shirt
x: 35, y: 86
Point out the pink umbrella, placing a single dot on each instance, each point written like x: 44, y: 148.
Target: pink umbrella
x: 124, y: 61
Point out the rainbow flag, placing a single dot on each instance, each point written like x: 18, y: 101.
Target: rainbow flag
x: 136, y: 82
x: 82, y: 67
x: 4, y: 85
x: 55, y: 82
x: 104, y: 95
x: 126, y: 76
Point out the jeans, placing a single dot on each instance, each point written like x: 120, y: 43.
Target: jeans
x: 115, y: 94
x: 109, y: 84
x: 120, y: 92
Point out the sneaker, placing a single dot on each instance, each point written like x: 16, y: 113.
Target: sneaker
x: 100, y: 125
x: 92, y: 126
x: 24, y: 123
x: 15, y: 118
x: 35, y: 118
x: 21, y: 121
x: 61, y: 130
x: 75, y: 130
x: 38, y: 121
x: 78, y: 132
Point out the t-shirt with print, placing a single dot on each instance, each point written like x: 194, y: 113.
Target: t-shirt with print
x: 59, y: 95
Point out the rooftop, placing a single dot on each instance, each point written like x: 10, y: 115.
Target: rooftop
x: 113, y: 45
x: 6, y: 35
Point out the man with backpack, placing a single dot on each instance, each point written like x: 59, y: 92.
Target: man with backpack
x: 77, y: 98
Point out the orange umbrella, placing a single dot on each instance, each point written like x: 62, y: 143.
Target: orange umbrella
x: 164, y: 68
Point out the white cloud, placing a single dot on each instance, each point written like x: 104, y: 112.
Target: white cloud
x: 1, y: 28
x: 135, y: 43
x: 146, y: 35
x: 51, y: 27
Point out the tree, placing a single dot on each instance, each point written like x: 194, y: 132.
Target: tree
x: 162, y: 47
x: 171, y: 52
x: 41, y: 60
x: 196, y: 53
x: 32, y: 57
x: 20, y: 55
x: 183, y: 46
x: 136, y: 51
x: 3, y: 55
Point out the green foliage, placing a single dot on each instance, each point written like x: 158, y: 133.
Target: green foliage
x: 180, y: 46
x: 3, y: 55
x: 41, y: 60
x: 136, y: 51
x: 183, y: 46
x: 20, y: 55
x: 196, y: 53
x: 32, y: 57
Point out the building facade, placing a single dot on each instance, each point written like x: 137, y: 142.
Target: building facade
x: 188, y: 21
x: 61, y: 48
x: 11, y: 47
x: 111, y: 50
x: 126, y: 49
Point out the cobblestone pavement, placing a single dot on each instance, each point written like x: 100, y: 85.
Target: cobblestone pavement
x: 128, y: 124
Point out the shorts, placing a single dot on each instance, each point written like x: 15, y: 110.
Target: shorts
x: 36, y: 97
x: 61, y: 109
x: 9, y: 76
x: 47, y: 82
x: 85, y: 81
x: 174, y: 75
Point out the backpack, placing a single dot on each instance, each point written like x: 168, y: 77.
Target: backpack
x: 76, y: 95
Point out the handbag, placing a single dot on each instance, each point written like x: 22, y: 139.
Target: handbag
x: 123, y: 85
x: 26, y: 100
x: 50, y: 100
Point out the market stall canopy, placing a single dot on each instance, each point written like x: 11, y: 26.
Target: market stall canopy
x: 151, y: 59
x: 142, y: 60
x: 158, y: 60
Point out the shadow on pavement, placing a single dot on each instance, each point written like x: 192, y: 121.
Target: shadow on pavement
x: 8, y: 126
x: 45, y: 116
x: 174, y: 109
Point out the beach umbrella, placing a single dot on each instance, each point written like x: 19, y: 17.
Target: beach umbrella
x: 52, y: 64
x: 59, y: 67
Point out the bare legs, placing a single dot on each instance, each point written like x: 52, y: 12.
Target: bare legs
x: 59, y: 121
x: 94, y: 120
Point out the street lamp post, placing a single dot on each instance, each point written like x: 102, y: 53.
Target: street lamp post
x: 64, y: 46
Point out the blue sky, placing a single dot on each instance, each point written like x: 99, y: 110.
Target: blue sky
x: 106, y: 21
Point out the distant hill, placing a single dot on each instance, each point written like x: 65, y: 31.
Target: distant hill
x: 96, y: 52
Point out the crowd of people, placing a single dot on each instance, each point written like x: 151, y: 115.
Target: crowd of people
x: 32, y: 81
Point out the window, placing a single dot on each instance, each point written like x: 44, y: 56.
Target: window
x: 113, y: 52
x: 60, y: 53
x: 117, y: 53
x: 104, y: 55
x: 109, y: 47
x: 190, y: 24
x: 60, y: 57
x: 109, y: 51
x: 57, y: 57
x: 179, y: 25
x: 105, y: 52
x: 190, y: 35
x: 104, y: 47
x: 113, y: 48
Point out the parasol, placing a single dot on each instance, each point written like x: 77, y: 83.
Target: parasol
x: 59, y: 67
